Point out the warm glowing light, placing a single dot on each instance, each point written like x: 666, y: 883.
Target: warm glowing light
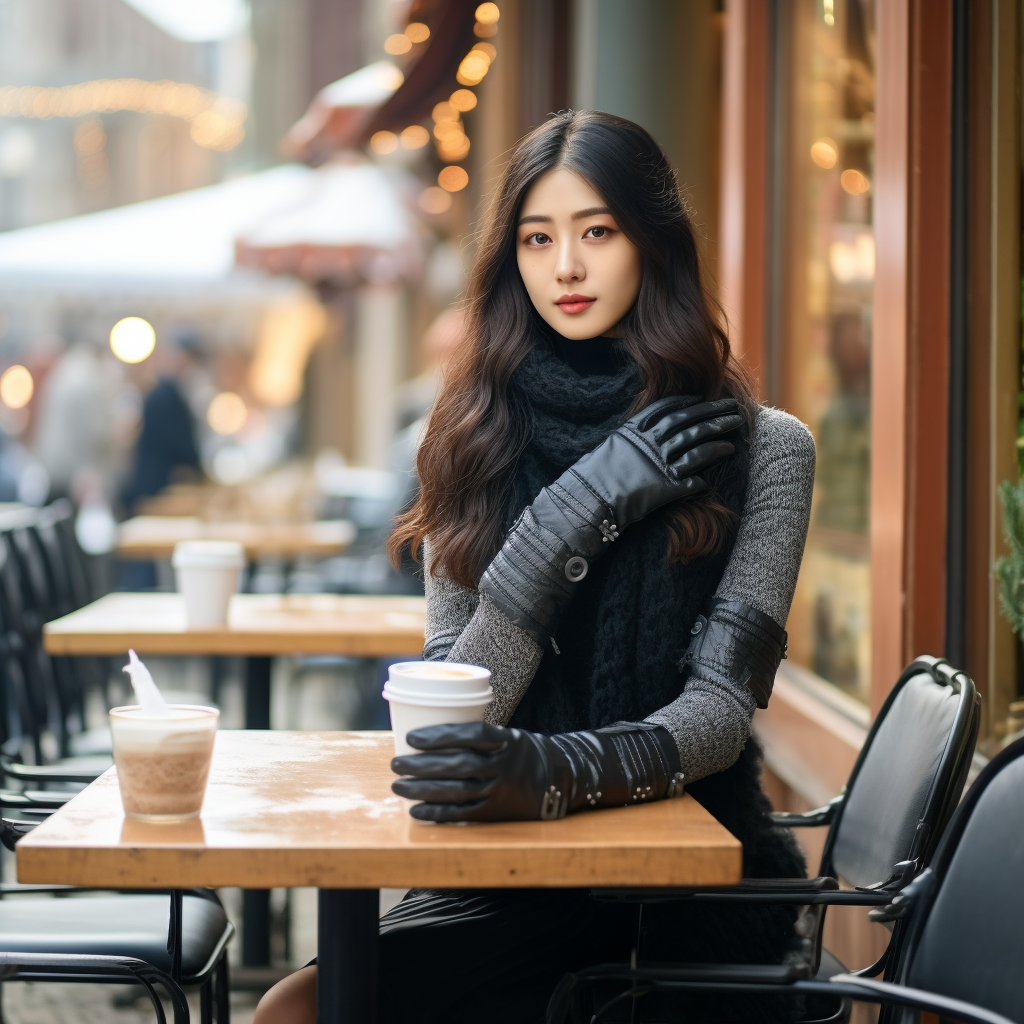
x: 473, y: 68
x: 414, y: 137
x: 489, y: 51
x: 854, y: 182
x: 453, y: 179
x: 398, y: 43
x: 226, y: 413
x: 445, y: 111
x: 435, y: 200
x: 132, y: 339
x: 417, y: 32
x: 103, y: 96
x: 16, y: 387
x: 825, y: 152
x: 287, y: 335
x: 445, y: 128
x: 488, y: 14
x: 453, y: 147
x: 384, y: 142
x: 482, y: 31
x: 830, y: 12
x: 853, y: 261
x: 462, y: 100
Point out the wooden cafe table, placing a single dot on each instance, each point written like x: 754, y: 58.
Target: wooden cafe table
x: 154, y: 537
x: 316, y: 809
x: 260, y: 626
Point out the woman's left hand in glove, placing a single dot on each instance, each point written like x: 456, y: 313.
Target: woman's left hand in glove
x: 479, y: 772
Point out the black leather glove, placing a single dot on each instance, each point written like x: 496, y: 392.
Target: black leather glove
x: 651, y: 460
x: 736, y: 642
x: 479, y: 772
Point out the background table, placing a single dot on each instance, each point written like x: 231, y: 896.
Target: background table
x: 259, y: 627
x: 149, y: 537
x: 316, y: 809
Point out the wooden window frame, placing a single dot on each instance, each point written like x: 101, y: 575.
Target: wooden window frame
x: 910, y: 371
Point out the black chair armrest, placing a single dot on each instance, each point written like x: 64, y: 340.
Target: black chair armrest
x: 48, y: 773
x: 821, y: 816
x: 37, y: 799
x: 11, y: 831
x: 870, y: 991
x: 775, y: 891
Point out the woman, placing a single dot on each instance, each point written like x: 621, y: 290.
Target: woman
x: 612, y: 525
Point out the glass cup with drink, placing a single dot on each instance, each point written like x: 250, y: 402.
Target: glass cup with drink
x: 162, y: 752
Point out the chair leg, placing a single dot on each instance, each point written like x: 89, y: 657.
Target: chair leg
x: 222, y: 991
x: 206, y: 1002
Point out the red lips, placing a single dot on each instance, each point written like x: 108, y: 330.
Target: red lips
x: 575, y: 303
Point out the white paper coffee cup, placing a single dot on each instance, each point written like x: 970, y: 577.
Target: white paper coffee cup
x: 434, y: 693
x: 207, y: 575
x: 163, y: 763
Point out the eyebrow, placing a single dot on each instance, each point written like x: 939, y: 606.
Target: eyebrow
x: 543, y: 219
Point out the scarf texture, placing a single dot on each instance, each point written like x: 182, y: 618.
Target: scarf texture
x: 621, y: 643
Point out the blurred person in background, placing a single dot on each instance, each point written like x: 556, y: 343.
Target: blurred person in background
x: 76, y: 424
x: 165, y: 451
x: 595, y: 396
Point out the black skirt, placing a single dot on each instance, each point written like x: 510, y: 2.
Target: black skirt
x: 496, y: 955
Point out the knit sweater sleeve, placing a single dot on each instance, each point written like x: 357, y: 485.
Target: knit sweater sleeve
x: 710, y: 720
x: 464, y: 627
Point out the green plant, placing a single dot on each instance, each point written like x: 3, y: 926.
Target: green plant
x: 1010, y: 568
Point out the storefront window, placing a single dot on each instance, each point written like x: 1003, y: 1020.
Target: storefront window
x: 825, y: 341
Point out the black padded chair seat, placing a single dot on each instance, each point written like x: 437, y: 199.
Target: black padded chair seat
x: 825, y: 1009
x: 113, y: 925
x: 829, y: 966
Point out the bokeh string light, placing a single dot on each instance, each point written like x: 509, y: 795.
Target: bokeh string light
x: 383, y: 142
x: 16, y: 387
x: 855, y: 182
x: 453, y: 178
x: 217, y: 121
x: 226, y: 414
x: 132, y: 339
x: 449, y: 133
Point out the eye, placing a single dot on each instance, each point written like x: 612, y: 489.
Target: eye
x: 597, y: 231
x: 537, y: 238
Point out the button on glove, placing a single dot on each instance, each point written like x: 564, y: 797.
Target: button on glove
x: 479, y: 772
x: 653, y: 459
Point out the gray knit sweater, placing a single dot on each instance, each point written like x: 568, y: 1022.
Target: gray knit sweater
x: 710, y: 719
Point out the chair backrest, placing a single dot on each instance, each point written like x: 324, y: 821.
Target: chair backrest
x: 908, y: 776
x: 966, y: 940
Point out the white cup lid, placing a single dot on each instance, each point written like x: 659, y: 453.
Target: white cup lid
x: 208, y: 554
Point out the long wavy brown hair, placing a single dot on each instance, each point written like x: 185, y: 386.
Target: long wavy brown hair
x: 674, y: 331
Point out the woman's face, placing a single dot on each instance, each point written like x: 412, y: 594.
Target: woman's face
x: 581, y: 272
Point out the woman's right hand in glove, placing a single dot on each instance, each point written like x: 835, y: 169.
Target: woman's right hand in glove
x: 653, y: 459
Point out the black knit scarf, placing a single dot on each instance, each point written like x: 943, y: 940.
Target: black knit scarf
x: 628, y: 626
x: 620, y: 644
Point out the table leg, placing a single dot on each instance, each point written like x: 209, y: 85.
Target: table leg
x: 348, y: 922
x: 256, y: 902
x: 257, y: 693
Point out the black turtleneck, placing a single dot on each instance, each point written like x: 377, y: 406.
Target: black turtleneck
x: 591, y: 357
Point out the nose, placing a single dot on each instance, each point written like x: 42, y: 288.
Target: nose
x: 569, y: 267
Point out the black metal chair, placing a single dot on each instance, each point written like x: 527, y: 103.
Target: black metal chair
x: 883, y: 827
x: 963, y: 945
x: 174, y: 939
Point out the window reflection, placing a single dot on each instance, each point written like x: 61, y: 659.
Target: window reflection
x: 829, y: 271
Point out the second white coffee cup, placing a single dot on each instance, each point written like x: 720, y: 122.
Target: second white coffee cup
x: 207, y: 575
x: 434, y: 693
